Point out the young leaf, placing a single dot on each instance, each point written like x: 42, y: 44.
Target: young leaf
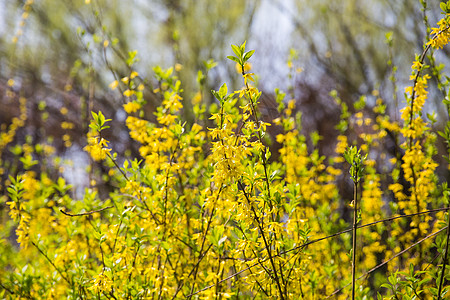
x: 223, y: 90
x: 236, y: 50
x: 217, y: 95
x: 248, y: 55
x: 242, y: 47
x: 234, y: 59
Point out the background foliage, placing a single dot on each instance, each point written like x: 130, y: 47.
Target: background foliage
x: 123, y: 176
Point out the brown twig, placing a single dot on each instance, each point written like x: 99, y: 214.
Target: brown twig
x: 444, y: 263
x: 85, y: 213
x: 51, y: 262
x: 416, y: 78
x: 354, y: 230
x: 7, y: 289
x: 324, y: 238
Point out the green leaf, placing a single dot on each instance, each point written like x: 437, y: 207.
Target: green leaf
x: 97, y: 39
x: 315, y: 138
x: 93, y: 126
x: 101, y: 118
x: 209, y: 64
x: 268, y: 153
x: 236, y: 51
x: 223, y: 239
x: 242, y: 47
x: 223, y: 90
x: 234, y: 59
x: 248, y: 55
x: 131, y: 57
x: 94, y: 116
x: 200, y: 77
x: 216, y: 94
x: 432, y: 117
x: 274, y: 173
x: 361, y: 103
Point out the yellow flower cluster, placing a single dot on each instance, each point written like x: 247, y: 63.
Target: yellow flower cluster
x: 97, y: 147
x: 131, y: 107
x: 17, y: 122
x: 411, y: 113
x: 417, y: 164
x: 441, y: 34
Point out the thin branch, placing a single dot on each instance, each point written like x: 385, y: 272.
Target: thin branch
x: 390, y: 259
x: 49, y: 260
x: 117, y: 166
x: 140, y: 199
x: 7, y: 289
x: 181, y: 284
x: 201, y: 254
x: 266, y: 243
x: 416, y: 78
x: 321, y: 239
x: 85, y: 213
x: 403, y: 216
x: 444, y: 263
x: 354, y: 230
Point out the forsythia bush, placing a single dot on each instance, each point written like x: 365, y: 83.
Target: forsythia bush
x: 210, y: 213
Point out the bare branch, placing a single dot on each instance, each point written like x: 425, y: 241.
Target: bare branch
x: 392, y: 258
x: 331, y: 236
x: 85, y: 213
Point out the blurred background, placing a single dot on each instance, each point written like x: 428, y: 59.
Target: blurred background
x: 53, y: 57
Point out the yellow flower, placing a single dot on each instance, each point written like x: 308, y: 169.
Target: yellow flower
x: 417, y: 65
x: 113, y: 85
x: 178, y: 67
x: 197, y: 98
x: 247, y: 67
x: 97, y: 147
x: 133, y: 74
x: 101, y: 284
x: 128, y: 93
x: 196, y: 128
x: 131, y: 107
x: 167, y: 119
x: 67, y: 125
x: 342, y: 144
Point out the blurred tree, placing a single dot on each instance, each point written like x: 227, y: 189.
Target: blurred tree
x: 198, y: 31
x: 358, y: 48
x: 63, y: 56
x: 56, y: 55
